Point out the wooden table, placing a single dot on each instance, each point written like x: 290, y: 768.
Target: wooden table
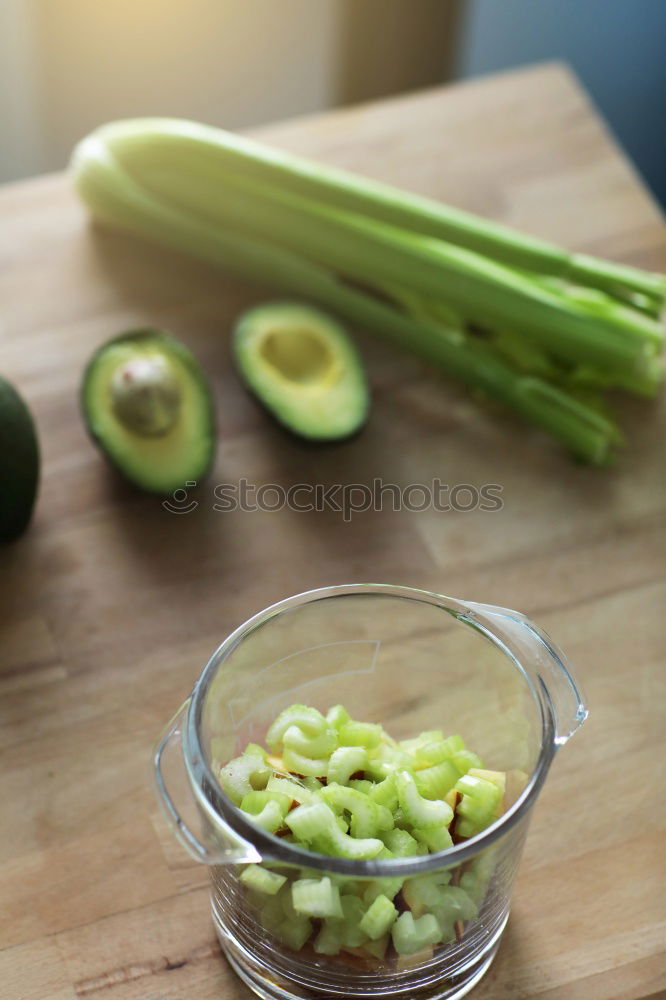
x: 110, y: 605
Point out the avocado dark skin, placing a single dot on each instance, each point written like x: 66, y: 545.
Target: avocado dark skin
x: 19, y: 463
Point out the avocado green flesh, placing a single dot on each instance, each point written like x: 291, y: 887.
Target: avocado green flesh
x: 304, y: 369
x: 158, y: 463
x: 19, y: 463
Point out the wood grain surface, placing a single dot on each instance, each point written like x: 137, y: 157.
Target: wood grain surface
x: 110, y: 605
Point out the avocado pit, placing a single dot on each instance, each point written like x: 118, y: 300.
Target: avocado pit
x: 145, y: 395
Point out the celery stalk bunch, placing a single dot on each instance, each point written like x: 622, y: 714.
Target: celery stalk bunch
x: 519, y: 320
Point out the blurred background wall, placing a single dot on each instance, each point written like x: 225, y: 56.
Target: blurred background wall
x: 617, y: 48
x: 68, y: 65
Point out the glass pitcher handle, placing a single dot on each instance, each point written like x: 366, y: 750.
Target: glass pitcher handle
x: 561, y: 687
x: 238, y: 851
x: 550, y: 669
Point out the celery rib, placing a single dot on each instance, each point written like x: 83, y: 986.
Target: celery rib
x: 267, y: 240
x: 172, y: 141
x: 485, y: 290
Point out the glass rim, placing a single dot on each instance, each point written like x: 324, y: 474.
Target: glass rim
x: 220, y: 809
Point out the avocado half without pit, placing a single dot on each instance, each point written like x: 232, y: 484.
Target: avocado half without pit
x: 304, y: 369
x: 148, y: 406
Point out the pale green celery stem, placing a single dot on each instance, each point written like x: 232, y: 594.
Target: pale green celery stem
x: 619, y: 280
x: 114, y: 198
x: 175, y: 141
x: 484, y: 291
x: 528, y: 357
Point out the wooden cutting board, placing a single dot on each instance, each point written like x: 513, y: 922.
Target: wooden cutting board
x: 110, y: 605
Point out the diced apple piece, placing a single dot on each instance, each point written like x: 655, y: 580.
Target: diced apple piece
x: 405, y: 962
x: 452, y: 798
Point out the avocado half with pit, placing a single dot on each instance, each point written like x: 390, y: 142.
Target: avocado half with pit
x: 303, y: 368
x: 147, y: 405
x: 19, y: 463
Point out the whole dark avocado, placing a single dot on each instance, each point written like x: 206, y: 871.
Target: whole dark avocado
x: 19, y: 463
x: 147, y: 404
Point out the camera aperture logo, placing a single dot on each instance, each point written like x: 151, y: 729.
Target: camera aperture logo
x: 346, y: 499
x: 180, y: 502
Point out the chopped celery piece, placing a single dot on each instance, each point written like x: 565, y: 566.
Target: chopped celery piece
x: 401, y: 843
x: 424, y: 893
x: 341, y: 845
x: 309, y: 821
x: 329, y: 938
x: 267, y: 809
x: 310, y: 746
x: 419, y: 811
x: 438, y: 750
x: 378, y: 918
x: 384, y: 760
x: 465, y: 759
x: 410, y: 936
x: 400, y: 820
x: 389, y: 886
x: 476, y: 878
x: 294, y: 933
x: 255, y: 801
x: 287, y: 904
x: 310, y: 721
x: 316, y: 898
x: 338, y: 716
x: 307, y: 766
x: 498, y: 778
x: 455, y: 904
x: 365, y: 815
x: 385, y: 818
x: 344, y: 762
x: 385, y: 793
x: 353, y: 912
x: 312, y: 784
x: 262, y: 880
x: 413, y: 745
x: 478, y: 805
x: 295, y: 791
x: 478, y: 788
x: 362, y: 785
x: 243, y: 774
x: 436, y: 781
x: 279, y: 918
x: 316, y: 824
x: 435, y: 838
x: 475, y: 886
x: 361, y: 734
x: 272, y: 914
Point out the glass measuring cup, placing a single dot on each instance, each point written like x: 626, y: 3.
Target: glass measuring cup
x: 411, y: 660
